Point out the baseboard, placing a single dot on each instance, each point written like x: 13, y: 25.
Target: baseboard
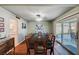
x: 15, y: 47
x: 19, y: 43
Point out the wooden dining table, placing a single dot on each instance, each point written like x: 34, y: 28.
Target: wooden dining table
x: 46, y: 43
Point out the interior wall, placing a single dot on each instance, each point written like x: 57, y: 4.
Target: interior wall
x: 46, y: 28
x: 7, y: 17
x: 10, y: 16
x: 22, y: 32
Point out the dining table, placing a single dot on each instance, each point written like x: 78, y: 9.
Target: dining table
x: 43, y: 38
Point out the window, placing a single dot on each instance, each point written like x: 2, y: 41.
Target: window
x: 66, y: 32
x: 65, y: 28
x: 58, y: 32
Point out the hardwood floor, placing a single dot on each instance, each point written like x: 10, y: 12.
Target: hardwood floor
x: 21, y: 49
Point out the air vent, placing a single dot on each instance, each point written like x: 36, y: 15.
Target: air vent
x: 17, y: 17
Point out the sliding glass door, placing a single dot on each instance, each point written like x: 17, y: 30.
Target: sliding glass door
x: 58, y: 32
x: 66, y: 34
x: 69, y: 36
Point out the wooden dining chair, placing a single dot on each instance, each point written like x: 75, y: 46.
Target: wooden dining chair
x: 40, y: 47
x: 29, y: 44
x: 50, y: 43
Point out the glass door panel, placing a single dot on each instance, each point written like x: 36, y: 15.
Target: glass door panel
x: 58, y: 32
x: 66, y: 35
x: 69, y: 36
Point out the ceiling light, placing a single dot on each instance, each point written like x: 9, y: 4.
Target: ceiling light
x: 38, y: 15
x: 39, y: 19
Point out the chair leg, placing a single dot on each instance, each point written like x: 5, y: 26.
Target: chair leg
x: 52, y: 51
x: 28, y: 52
x: 46, y: 52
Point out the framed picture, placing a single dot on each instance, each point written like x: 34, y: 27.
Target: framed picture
x: 23, y: 25
x: 1, y: 24
x: 1, y: 19
x: 1, y: 29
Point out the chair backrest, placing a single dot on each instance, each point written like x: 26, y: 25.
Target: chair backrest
x: 50, y: 41
x: 40, y: 44
x: 51, y: 37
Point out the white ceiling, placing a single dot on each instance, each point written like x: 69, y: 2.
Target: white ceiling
x: 47, y: 12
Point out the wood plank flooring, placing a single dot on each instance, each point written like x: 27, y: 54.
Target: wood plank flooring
x: 21, y: 49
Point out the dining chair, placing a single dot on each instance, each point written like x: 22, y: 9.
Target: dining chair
x: 40, y: 47
x: 52, y: 43
x: 29, y: 44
